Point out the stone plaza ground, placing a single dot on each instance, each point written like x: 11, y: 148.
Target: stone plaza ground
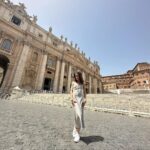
x: 30, y: 126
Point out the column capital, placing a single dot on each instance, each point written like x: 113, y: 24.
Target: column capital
x: 25, y: 42
x: 45, y: 52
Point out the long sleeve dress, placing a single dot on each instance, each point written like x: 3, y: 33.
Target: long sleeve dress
x: 77, y: 93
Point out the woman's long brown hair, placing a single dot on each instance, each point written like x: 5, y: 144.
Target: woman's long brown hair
x: 81, y: 81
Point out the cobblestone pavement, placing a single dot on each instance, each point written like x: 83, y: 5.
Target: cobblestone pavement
x: 27, y: 126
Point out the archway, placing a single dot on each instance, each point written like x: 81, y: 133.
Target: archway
x: 4, y: 61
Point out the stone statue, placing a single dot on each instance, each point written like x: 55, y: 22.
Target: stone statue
x: 76, y: 45
x: 66, y: 40
x: 8, y: 2
x: 61, y: 37
x: 71, y: 43
x: 50, y: 29
x: 79, y: 49
x: 34, y: 19
x: 22, y: 6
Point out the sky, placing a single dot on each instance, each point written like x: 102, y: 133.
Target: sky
x: 116, y: 33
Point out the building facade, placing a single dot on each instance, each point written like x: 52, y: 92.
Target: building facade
x: 141, y: 76
x: 34, y: 59
x: 138, y: 78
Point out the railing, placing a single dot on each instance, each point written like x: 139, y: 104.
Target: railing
x: 40, y: 91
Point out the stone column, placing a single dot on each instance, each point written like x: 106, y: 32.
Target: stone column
x: 55, y: 86
x: 100, y: 86
x: 17, y: 46
x: 2, y: 11
x: 95, y: 85
x: 89, y: 84
x: 7, y: 76
x: 83, y: 75
x: 61, y: 77
x: 69, y: 78
x: 21, y: 66
x: 40, y: 78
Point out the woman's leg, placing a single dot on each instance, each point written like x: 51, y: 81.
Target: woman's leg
x: 77, y: 126
x: 78, y: 130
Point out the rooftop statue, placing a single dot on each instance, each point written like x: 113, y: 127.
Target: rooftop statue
x: 22, y: 6
x: 76, y: 45
x: 34, y: 19
x: 50, y: 29
x: 71, y: 43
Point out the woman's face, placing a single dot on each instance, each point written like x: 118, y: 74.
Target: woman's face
x: 77, y: 77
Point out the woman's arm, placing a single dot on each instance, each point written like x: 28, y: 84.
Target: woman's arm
x: 71, y: 94
x: 84, y: 93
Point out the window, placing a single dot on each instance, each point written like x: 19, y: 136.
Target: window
x: 40, y: 35
x: 51, y: 63
x: 16, y: 20
x: 49, y: 72
x: 55, y: 44
x: 6, y: 45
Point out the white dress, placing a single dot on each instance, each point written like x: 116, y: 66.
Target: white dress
x: 78, y: 98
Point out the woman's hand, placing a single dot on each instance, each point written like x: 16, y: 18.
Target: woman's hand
x: 83, y: 103
x: 72, y: 102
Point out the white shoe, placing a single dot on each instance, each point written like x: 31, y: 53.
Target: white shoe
x: 77, y: 138
x: 74, y: 132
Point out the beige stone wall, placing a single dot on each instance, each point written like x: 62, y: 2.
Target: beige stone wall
x: 133, y: 104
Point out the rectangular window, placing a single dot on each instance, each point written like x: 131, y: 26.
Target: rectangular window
x: 40, y: 35
x: 51, y: 63
x: 16, y: 20
x: 55, y: 44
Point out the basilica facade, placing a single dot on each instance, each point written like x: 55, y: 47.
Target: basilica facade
x: 35, y: 59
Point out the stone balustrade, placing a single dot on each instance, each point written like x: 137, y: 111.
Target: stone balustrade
x: 131, y: 104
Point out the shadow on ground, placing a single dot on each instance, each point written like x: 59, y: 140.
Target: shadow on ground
x: 91, y: 139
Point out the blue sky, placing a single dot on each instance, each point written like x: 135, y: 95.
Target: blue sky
x: 116, y: 33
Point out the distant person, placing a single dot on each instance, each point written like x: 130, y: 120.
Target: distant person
x: 78, y: 99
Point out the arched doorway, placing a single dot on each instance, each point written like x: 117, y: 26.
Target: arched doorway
x: 4, y: 61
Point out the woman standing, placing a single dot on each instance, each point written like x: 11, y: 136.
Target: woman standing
x: 78, y: 99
